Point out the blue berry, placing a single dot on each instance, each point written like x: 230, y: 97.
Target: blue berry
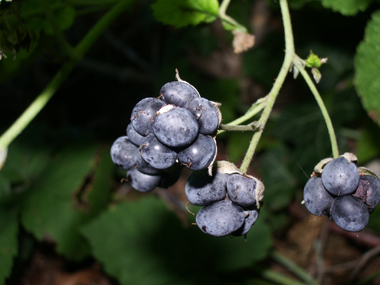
x: 206, y: 113
x: 178, y: 93
x: 134, y: 136
x: 317, y: 200
x: 142, y: 182
x: 242, y: 190
x: 200, y: 154
x: 156, y: 154
x: 251, y: 216
x: 144, y: 167
x: 220, y: 218
x: 124, y: 153
x: 176, y: 127
x: 170, y: 178
x: 143, y: 114
x: 202, y: 189
x: 349, y: 213
x: 368, y: 191
x: 340, y: 177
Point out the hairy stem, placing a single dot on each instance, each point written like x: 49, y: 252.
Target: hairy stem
x: 271, y: 97
x: 36, y: 106
x: 322, y: 107
x: 254, y: 126
x: 224, y: 17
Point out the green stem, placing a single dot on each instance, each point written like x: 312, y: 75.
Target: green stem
x: 278, y: 278
x: 294, y: 268
x: 322, y: 107
x: 223, y: 7
x: 19, y: 125
x: 224, y: 17
x: 241, y: 128
x: 289, y: 55
x: 65, y: 46
x: 257, y: 107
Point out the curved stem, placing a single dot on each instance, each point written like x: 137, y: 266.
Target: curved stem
x: 19, y: 125
x: 289, y: 55
x: 255, y: 108
x: 254, y: 126
x: 224, y: 17
x: 322, y: 107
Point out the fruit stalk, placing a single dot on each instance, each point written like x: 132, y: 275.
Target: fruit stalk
x: 271, y: 97
x: 322, y: 107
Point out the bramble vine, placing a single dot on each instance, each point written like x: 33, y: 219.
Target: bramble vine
x: 265, y: 104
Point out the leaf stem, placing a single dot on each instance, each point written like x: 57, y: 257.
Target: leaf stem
x: 271, y: 97
x: 256, y: 107
x: 36, y: 106
x: 322, y: 107
x: 224, y: 17
x: 254, y: 126
x: 65, y: 46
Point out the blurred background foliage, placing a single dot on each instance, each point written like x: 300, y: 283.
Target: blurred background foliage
x: 62, y: 200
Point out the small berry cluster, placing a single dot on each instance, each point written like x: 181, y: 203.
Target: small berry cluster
x: 343, y: 191
x: 175, y: 129
x: 231, y: 199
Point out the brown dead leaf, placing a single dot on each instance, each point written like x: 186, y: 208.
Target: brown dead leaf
x: 242, y: 41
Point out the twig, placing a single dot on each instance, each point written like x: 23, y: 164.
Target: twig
x: 322, y: 107
x: 256, y: 107
x: 254, y: 126
x: 289, y: 55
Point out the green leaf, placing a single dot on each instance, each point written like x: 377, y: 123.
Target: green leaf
x: 367, y: 64
x: 183, y: 13
x: 8, y: 235
x: 143, y: 236
x: 279, y: 180
x: 347, y: 7
x: 65, y: 18
x: 367, y: 146
x: 67, y: 195
x: 25, y: 162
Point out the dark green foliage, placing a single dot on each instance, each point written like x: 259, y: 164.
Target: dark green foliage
x: 367, y: 66
x: 144, y: 236
x: 61, y: 194
x: 183, y: 13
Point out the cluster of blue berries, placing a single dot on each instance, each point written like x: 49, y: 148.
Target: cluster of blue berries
x: 231, y: 199
x: 176, y: 129
x: 344, y: 192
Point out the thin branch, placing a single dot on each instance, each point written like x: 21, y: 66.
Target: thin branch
x: 256, y: 107
x: 322, y: 107
x: 289, y: 55
x: 254, y: 126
